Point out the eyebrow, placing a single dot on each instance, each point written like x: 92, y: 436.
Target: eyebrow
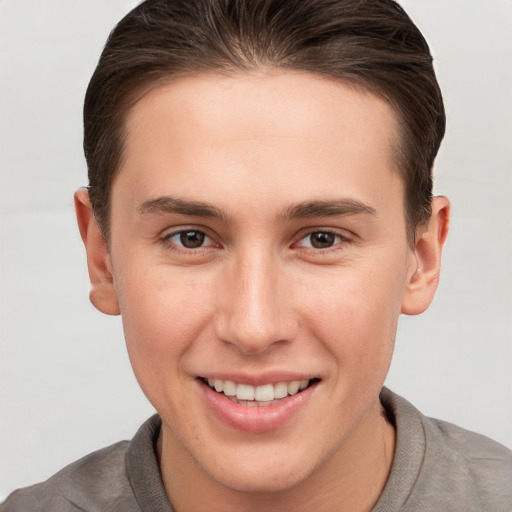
x: 328, y: 208
x: 304, y: 210
x: 169, y: 205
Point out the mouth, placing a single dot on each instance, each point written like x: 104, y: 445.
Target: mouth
x: 258, y: 396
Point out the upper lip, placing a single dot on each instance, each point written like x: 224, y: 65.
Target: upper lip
x: 259, y: 379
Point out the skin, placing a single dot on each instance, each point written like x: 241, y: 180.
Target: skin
x: 257, y: 298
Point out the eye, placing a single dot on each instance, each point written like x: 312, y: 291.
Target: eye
x: 321, y: 240
x: 189, y: 238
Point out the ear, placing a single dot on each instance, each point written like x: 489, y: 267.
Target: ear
x: 103, y: 295
x: 426, y: 263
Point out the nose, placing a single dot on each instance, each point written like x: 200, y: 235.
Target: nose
x: 254, y: 310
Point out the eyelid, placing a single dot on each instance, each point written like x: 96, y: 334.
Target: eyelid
x: 170, y: 237
x: 165, y: 238
x: 310, y: 231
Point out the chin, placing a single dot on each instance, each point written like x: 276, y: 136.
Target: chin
x: 270, y: 472
x: 261, y: 481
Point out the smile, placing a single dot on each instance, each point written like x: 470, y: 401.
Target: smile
x: 257, y: 396
x: 256, y: 409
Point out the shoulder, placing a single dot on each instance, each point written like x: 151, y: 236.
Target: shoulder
x: 124, y: 477
x: 96, y: 482
x: 471, y: 463
x: 466, y: 445
x: 440, y: 466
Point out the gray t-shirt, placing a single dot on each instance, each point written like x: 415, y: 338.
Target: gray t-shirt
x: 437, y: 467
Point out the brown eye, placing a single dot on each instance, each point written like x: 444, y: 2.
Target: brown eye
x: 322, y: 239
x: 192, y: 239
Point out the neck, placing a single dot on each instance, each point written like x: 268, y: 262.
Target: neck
x: 351, y: 480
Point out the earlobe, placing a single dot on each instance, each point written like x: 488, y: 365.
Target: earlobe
x: 424, y: 275
x: 103, y: 295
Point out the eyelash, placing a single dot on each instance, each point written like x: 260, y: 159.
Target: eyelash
x: 317, y: 251
x: 338, y: 239
x: 176, y: 246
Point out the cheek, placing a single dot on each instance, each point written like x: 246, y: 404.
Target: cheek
x: 355, y: 314
x: 162, y: 317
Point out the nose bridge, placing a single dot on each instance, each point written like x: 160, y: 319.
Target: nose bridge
x: 253, y: 312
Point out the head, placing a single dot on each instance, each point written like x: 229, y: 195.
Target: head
x: 370, y: 45
x: 260, y: 174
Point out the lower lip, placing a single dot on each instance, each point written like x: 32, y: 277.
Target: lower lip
x: 256, y: 419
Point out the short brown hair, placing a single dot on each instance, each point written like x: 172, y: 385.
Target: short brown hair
x: 369, y: 43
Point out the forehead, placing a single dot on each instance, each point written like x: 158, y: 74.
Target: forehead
x: 291, y: 130
x: 260, y: 104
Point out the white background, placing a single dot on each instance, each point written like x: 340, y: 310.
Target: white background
x: 66, y: 387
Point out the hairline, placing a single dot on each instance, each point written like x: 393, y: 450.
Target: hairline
x: 168, y: 77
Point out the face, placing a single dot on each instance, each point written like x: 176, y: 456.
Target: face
x: 258, y: 245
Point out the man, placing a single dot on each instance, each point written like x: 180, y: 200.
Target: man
x: 260, y: 212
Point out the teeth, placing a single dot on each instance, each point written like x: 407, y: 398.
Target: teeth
x: 257, y: 395
x: 280, y: 390
x: 229, y: 388
x: 245, y: 392
x: 293, y: 387
x: 264, y: 393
